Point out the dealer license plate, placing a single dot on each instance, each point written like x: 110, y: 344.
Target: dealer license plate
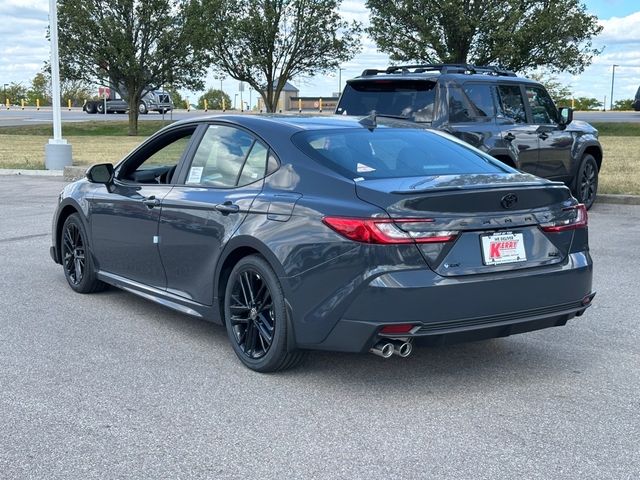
x: 503, y: 247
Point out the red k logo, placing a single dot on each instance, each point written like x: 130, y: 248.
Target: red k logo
x: 494, y: 250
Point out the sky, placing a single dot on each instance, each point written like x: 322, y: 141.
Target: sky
x: 24, y: 48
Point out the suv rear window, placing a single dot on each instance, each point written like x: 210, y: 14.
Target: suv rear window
x: 404, y: 98
x: 394, y: 153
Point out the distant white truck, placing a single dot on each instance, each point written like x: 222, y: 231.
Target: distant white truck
x: 153, y: 101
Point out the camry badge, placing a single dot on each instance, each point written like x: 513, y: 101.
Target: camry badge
x: 509, y: 200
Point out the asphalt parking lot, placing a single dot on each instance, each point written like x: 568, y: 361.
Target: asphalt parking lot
x: 112, y: 386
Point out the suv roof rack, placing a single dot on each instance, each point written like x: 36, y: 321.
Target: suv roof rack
x: 443, y: 68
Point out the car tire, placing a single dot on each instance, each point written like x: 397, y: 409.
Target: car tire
x: 90, y: 107
x: 256, y: 317
x: 77, y: 261
x: 586, y: 182
x: 100, y: 107
x: 142, y: 108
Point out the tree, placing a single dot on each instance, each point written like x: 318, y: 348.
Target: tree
x: 268, y: 42
x: 40, y: 89
x: 14, y: 92
x: 133, y: 46
x: 586, y: 103
x: 626, y: 104
x: 560, y: 93
x: 214, y: 99
x: 516, y: 34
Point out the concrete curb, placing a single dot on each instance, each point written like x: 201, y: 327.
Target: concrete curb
x: 31, y: 173
x: 618, y: 199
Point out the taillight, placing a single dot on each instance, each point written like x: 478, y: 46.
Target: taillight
x: 578, y: 220
x: 385, y: 230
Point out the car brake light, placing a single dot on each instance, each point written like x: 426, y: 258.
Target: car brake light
x: 385, y: 230
x: 580, y: 220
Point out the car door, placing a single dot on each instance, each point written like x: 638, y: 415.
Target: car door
x: 199, y: 216
x: 518, y: 135
x: 554, y: 158
x: 124, y: 216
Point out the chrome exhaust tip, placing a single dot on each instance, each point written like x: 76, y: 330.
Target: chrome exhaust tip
x: 383, y: 349
x: 403, y: 349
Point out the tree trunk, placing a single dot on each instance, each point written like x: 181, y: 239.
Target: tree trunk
x: 134, y: 100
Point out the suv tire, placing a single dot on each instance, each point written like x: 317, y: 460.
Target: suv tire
x: 586, y: 183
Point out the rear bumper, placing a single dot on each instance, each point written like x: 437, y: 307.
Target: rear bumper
x: 450, y: 310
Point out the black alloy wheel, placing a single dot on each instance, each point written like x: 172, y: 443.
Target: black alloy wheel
x: 587, y: 181
x: 73, y: 253
x: 256, y: 317
x: 252, y: 315
x: 76, y: 257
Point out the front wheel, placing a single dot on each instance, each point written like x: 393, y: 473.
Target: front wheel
x: 256, y: 317
x: 100, y: 107
x: 76, y: 257
x: 586, y: 184
x: 142, y: 108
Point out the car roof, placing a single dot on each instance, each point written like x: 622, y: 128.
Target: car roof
x: 291, y: 123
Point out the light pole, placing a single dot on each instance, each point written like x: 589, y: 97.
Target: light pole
x: 235, y: 98
x: 250, y: 107
x: 613, y: 76
x: 57, y: 153
x: 340, y: 80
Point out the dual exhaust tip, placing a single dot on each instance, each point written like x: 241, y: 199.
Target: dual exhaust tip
x: 386, y: 348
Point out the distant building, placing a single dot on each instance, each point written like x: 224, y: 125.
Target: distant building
x: 287, y: 93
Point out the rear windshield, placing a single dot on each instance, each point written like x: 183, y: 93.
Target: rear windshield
x: 406, y: 98
x: 394, y: 152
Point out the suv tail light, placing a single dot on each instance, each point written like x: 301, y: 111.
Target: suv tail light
x: 579, y: 220
x: 385, y: 230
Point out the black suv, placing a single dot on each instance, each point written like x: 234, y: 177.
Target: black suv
x: 636, y: 101
x: 511, y: 118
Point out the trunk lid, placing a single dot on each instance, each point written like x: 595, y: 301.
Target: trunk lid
x: 495, y: 217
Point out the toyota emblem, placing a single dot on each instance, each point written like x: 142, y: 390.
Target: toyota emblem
x: 509, y: 200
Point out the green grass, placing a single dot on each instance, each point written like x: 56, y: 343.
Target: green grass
x: 88, y: 129
x: 614, y: 129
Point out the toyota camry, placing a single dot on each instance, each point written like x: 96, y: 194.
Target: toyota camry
x: 344, y: 234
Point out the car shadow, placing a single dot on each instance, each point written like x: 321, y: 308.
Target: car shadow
x: 527, y: 358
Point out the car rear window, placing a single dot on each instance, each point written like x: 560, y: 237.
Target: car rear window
x: 394, y: 153
x: 405, y: 98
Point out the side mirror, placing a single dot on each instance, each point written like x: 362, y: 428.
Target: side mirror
x: 100, y: 173
x: 566, y: 116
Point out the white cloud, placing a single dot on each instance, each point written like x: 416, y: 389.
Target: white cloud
x: 621, y: 29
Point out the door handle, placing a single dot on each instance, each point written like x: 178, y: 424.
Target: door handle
x: 227, y: 207
x: 509, y: 137
x: 151, y: 201
x: 543, y: 136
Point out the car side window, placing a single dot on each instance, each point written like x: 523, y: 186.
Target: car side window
x: 543, y: 110
x: 472, y: 103
x: 511, y: 104
x: 156, y: 162
x: 227, y: 157
x: 254, y: 167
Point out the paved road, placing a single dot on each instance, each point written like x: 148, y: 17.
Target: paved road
x: 15, y: 116
x: 112, y: 386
